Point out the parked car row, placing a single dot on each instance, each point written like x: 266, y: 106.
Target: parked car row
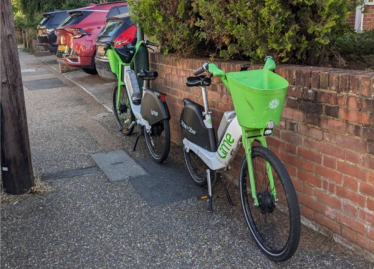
x: 78, y: 36
x: 46, y: 29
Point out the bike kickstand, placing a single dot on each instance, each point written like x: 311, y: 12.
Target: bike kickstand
x: 137, y: 138
x: 210, y: 191
x: 228, y: 197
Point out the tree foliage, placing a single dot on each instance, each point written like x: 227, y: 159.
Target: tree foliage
x: 294, y: 30
x: 27, y: 13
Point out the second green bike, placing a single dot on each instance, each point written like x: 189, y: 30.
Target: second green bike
x: 134, y: 106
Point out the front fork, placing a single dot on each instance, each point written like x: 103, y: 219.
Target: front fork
x: 248, y: 137
x: 120, y: 83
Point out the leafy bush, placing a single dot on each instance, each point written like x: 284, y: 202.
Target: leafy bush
x: 350, y: 42
x: 294, y: 30
x: 352, y: 50
x: 170, y: 22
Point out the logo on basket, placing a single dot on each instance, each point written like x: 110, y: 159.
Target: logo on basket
x: 274, y: 103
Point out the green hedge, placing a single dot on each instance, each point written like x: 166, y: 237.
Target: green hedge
x: 349, y: 42
x: 293, y: 30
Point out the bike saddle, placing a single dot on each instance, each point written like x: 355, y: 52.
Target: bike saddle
x: 198, y: 81
x: 147, y: 75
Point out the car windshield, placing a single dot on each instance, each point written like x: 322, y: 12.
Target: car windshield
x: 44, y: 20
x: 113, y: 24
x: 59, y: 17
x: 75, y: 17
x: 110, y: 27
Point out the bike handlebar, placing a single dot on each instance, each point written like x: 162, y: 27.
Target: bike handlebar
x: 150, y: 43
x: 202, y: 69
x: 198, y: 71
x: 129, y: 46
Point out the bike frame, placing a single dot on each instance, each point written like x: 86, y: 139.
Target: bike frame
x: 230, y: 142
x: 122, y: 69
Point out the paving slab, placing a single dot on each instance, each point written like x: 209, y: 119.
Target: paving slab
x: 34, y: 73
x: 42, y: 84
x: 167, y: 183
x: 117, y: 165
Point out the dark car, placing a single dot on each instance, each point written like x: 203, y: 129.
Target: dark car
x: 76, y: 35
x: 46, y: 29
x: 119, y: 31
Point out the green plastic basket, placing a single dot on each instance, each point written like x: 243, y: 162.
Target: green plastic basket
x: 113, y: 61
x: 258, y: 97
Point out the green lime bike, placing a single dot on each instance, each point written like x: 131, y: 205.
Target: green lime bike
x: 268, y: 198
x: 134, y: 106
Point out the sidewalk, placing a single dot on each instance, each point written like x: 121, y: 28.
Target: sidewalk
x: 110, y: 207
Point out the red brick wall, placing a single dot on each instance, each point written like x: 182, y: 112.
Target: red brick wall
x: 325, y: 139
x: 351, y: 19
x: 368, y: 22
x: 368, y: 18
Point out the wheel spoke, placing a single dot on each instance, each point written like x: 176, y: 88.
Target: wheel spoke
x: 122, y: 112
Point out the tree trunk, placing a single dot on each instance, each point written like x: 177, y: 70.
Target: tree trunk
x: 16, y: 165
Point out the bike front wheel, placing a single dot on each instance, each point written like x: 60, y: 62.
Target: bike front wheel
x: 274, y: 223
x: 123, y: 114
x: 158, y: 140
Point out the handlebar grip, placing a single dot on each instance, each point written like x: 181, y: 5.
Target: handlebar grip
x: 202, y: 69
x: 199, y: 71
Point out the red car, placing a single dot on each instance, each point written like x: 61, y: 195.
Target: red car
x: 76, y: 35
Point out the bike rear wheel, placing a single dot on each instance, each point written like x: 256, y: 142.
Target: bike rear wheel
x: 197, y: 168
x: 274, y: 224
x: 158, y: 140
x: 123, y: 114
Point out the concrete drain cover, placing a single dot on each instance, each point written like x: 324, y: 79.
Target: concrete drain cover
x: 117, y: 165
x: 165, y: 184
x: 34, y: 73
x: 42, y: 84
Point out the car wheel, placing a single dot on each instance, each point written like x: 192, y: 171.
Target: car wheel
x: 89, y: 71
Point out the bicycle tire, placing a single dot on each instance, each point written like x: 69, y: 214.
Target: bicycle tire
x: 197, y: 168
x: 158, y: 140
x: 275, y: 225
x: 124, y: 115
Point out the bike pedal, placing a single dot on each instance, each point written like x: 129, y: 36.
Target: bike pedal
x: 204, y: 197
x: 124, y: 130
